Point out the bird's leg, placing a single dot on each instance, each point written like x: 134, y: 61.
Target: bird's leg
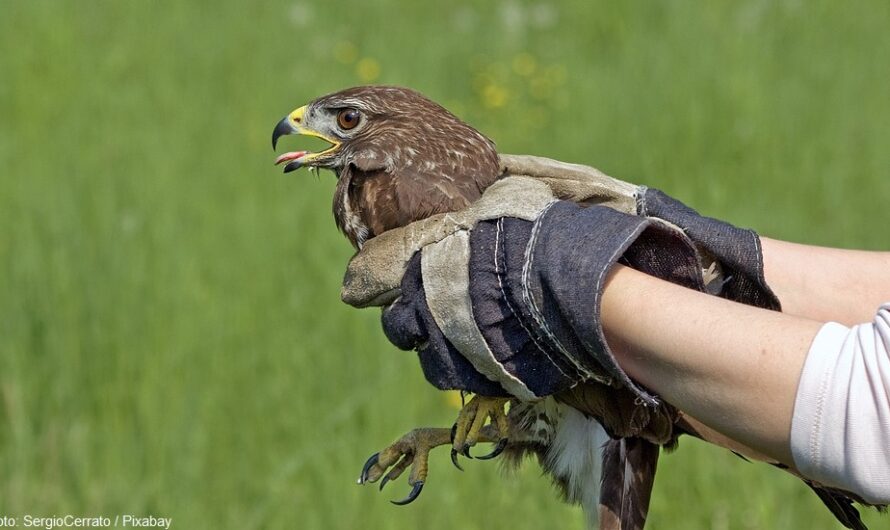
x: 471, y: 425
x: 412, y: 449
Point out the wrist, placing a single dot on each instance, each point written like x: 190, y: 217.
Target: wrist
x: 621, y: 301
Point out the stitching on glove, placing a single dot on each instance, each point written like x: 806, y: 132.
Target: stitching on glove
x: 650, y: 401
x: 499, y: 270
x: 641, y: 201
x: 445, y: 276
x: 530, y: 302
x: 761, y: 277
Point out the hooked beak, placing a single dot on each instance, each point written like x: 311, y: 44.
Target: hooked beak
x: 284, y: 127
x: 293, y: 124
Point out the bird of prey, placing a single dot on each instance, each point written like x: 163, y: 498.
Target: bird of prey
x: 400, y: 157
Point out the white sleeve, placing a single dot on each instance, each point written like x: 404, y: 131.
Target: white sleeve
x: 840, y: 432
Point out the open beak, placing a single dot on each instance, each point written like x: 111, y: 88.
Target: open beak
x: 293, y: 124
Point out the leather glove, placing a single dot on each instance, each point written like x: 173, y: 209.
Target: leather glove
x: 503, y: 298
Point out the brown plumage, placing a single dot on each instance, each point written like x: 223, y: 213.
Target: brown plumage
x: 405, y: 159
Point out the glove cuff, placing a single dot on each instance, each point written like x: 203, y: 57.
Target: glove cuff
x: 737, y: 250
x: 537, y: 287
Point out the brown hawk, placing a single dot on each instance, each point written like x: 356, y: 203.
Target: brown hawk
x: 400, y: 157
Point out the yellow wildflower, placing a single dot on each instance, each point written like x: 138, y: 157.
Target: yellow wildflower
x: 368, y: 70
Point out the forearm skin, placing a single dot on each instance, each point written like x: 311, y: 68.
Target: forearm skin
x: 827, y: 284
x: 733, y: 367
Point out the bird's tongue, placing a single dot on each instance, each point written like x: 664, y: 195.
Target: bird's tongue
x: 293, y: 155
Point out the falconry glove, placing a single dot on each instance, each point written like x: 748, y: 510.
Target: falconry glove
x: 502, y: 299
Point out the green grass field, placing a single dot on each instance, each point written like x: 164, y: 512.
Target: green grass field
x: 171, y: 336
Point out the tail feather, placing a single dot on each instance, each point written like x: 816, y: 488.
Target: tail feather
x: 628, y: 475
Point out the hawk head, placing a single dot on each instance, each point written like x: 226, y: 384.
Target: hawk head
x: 380, y: 127
x: 399, y: 156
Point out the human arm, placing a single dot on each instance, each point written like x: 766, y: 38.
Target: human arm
x: 724, y: 361
x: 827, y: 284
x: 710, y: 362
x: 842, y: 406
x: 814, y: 396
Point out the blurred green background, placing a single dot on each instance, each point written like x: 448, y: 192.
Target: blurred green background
x: 171, y: 336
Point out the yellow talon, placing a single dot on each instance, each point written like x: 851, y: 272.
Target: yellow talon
x: 471, y: 422
x: 412, y: 450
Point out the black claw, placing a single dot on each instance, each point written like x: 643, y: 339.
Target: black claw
x: 367, y: 467
x: 383, y: 482
x: 498, y: 449
x: 454, y: 459
x: 415, y: 492
x: 466, y: 451
x: 453, y: 432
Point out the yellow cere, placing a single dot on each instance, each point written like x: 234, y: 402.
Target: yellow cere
x: 297, y: 117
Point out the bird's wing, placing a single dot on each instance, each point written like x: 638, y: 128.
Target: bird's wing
x: 387, y: 200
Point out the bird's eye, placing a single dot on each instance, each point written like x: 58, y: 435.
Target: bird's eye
x: 348, y: 118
